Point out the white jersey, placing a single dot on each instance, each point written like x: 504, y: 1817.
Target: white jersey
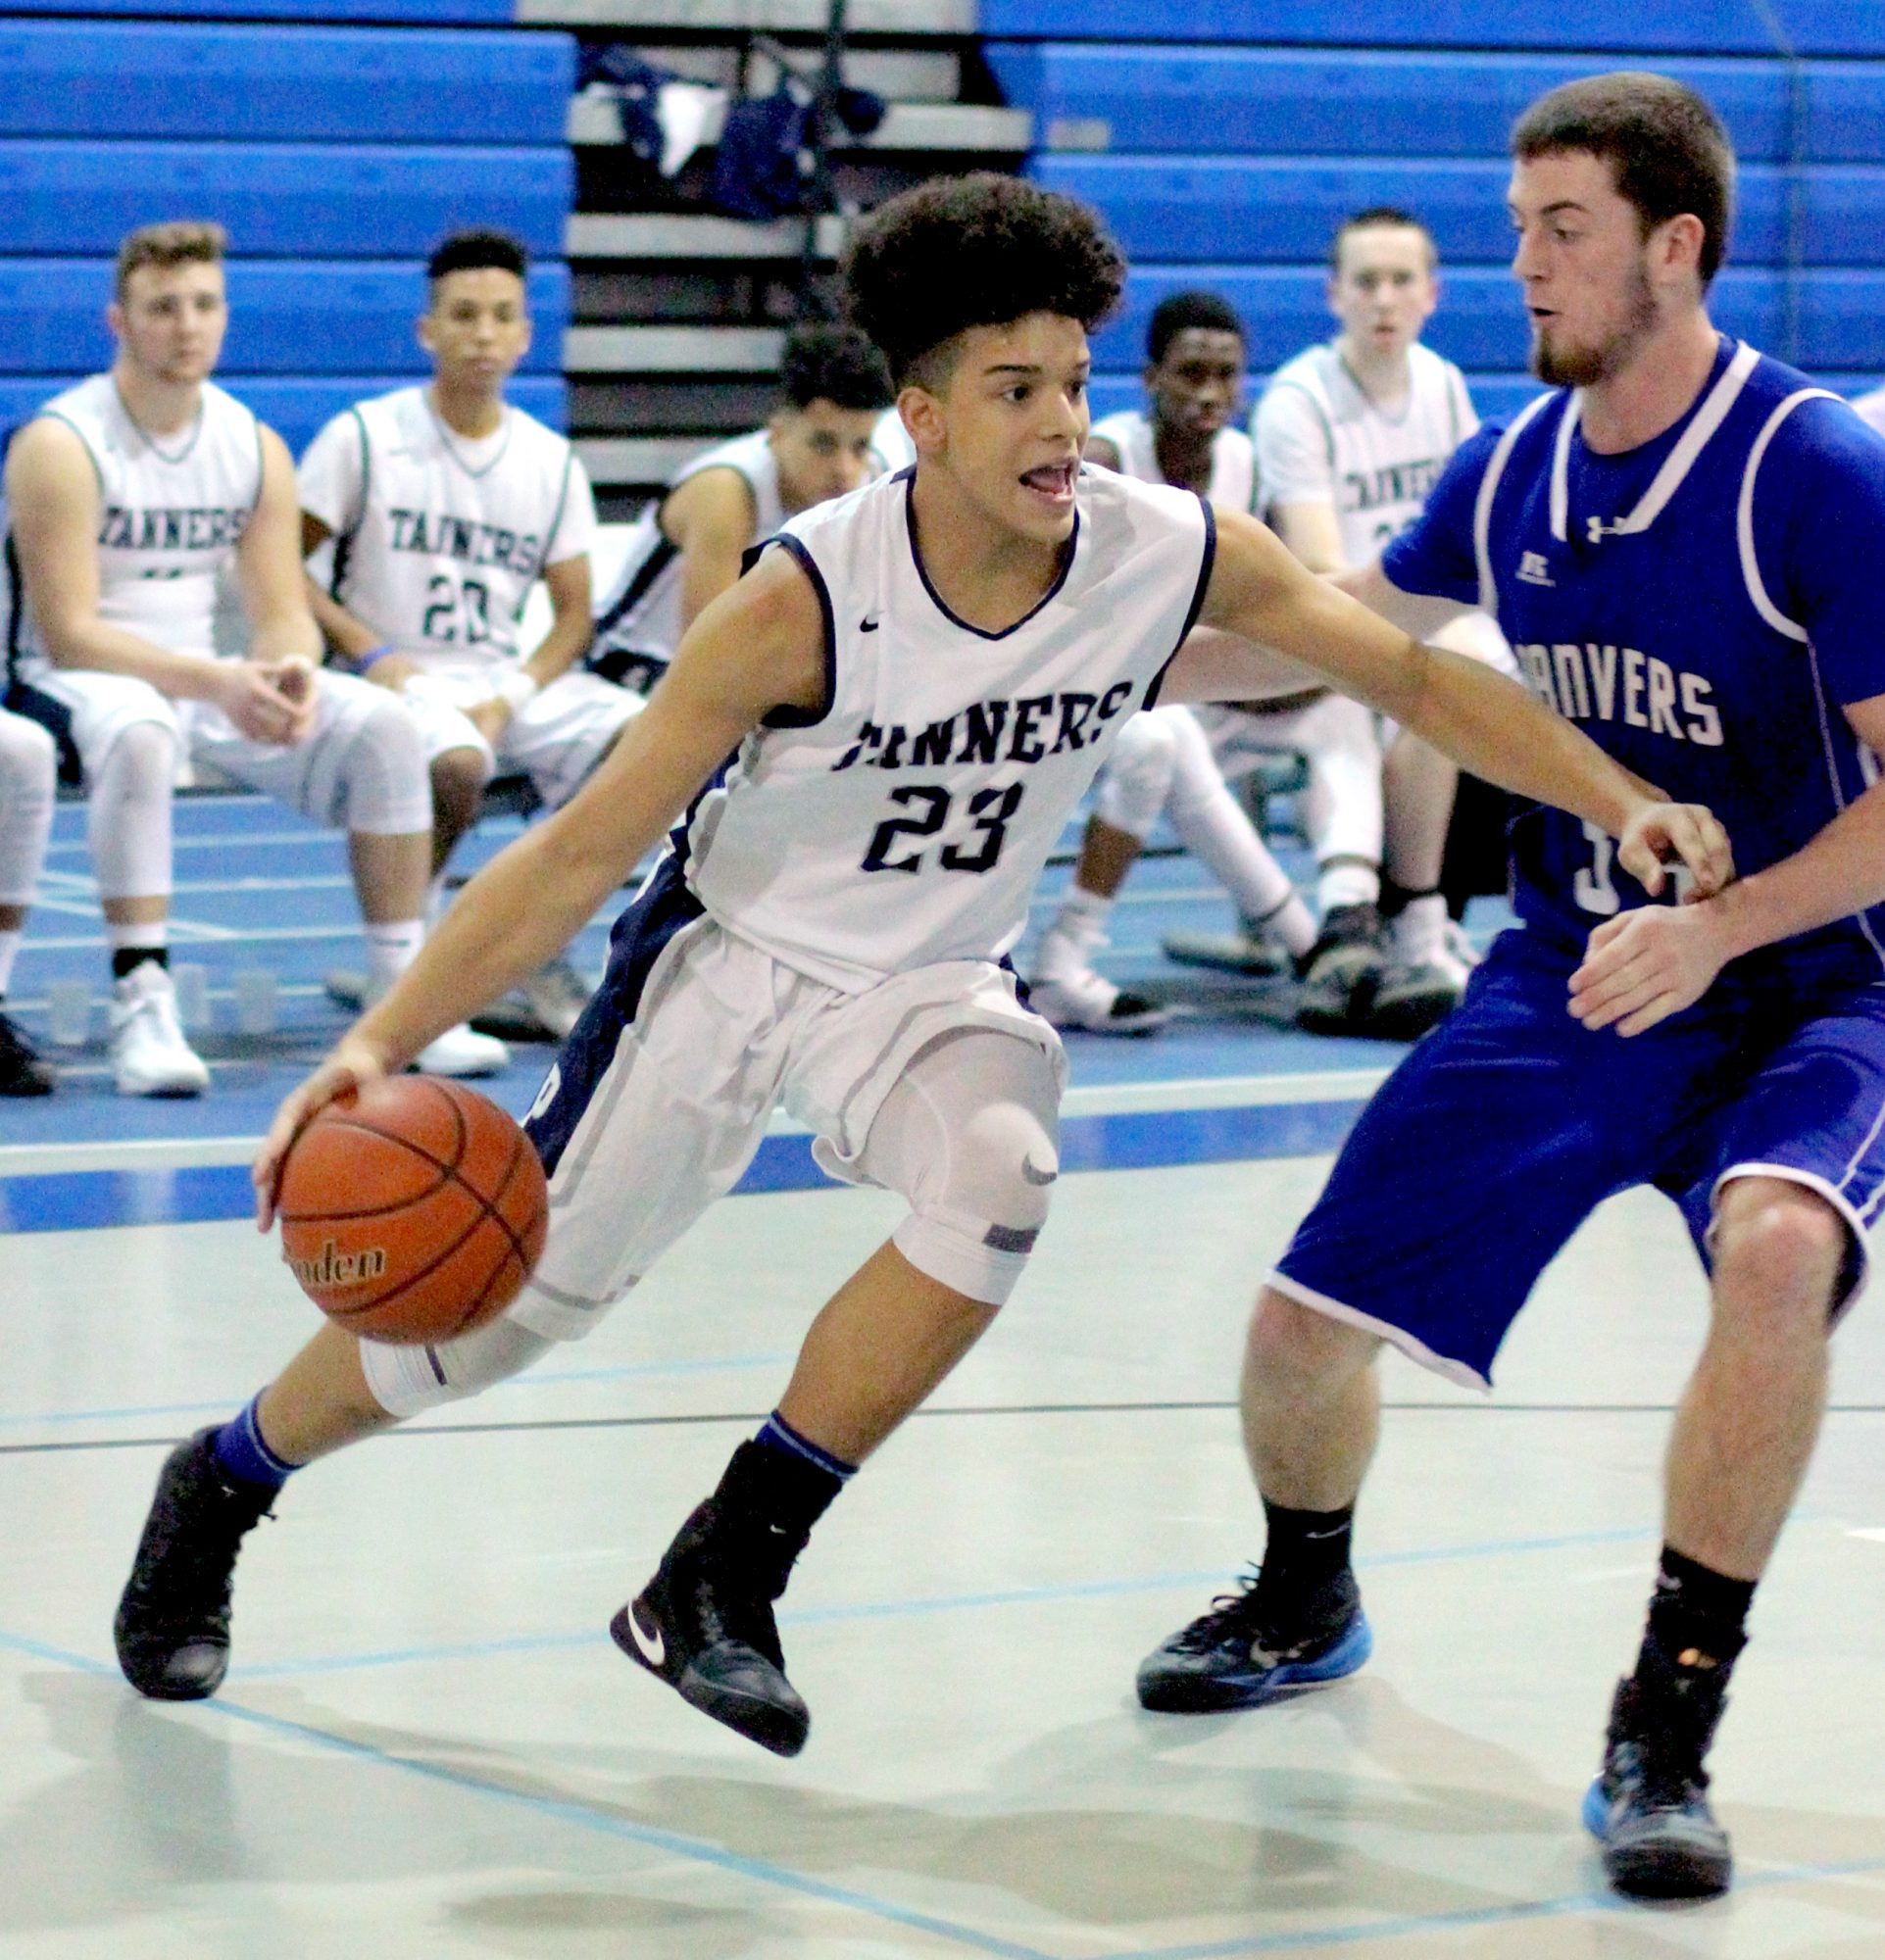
x: 1321, y: 439
x: 638, y: 619
x: 173, y: 511
x: 438, y: 538
x: 1233, y: 457
x: 907, y: 823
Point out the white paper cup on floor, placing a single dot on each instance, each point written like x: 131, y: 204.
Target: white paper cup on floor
x: 255, y: 1002
x: 192, y: 984
x: 68, y: 1013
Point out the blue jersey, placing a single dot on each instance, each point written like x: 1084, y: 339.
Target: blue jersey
x: 1703, y: 607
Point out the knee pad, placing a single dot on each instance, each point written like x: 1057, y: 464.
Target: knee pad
x: 407, y: 1381
x: 1138, y: 773
x: 386, y: 789
x: 128, y: 820
x: 1344, y: 807
x: 1196, y: 779
x: 969, y: 1136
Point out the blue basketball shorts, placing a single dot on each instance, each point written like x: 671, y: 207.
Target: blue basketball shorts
x: 1509, y: 1124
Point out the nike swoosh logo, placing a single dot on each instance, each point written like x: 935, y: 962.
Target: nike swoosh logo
x: 869, y: 625
x: 653, y: 1648
x: 1033, y: 1176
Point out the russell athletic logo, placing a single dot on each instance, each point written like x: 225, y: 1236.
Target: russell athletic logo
x: 331, y: 1268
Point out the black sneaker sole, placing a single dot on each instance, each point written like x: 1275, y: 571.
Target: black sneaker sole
x: 782, y: 1730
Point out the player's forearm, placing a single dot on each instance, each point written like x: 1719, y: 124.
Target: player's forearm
x: 350, y: 637
x: 1841, y: 872
x: 567, y: 641
x: 1492, y: 727
x: 288, y: 632
x: 94, y: 646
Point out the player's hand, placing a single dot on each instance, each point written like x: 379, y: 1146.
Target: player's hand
x: 392, y: 670
x: 293, y: 678
x: 247, y: 692
x: 1662, y: 834
x: 490, y: 719
x: 353, y: 1065
x: 1645, y: 965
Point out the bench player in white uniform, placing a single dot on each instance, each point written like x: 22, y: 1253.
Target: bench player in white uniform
x: 128, y: 497
x: 437, y: 509
x: 28, y: 777
x: 1350, y: 438
x: 917, y: 683
x: 687, y: 547
x: 1193, y: 378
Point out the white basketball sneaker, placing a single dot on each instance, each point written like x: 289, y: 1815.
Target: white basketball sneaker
x: 1067, y: 992
x: 460, y: 1052
x: 149, y: 1054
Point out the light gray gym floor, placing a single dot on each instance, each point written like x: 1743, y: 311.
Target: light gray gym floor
x: 428, y: 1745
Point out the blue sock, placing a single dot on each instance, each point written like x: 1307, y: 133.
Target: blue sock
x: 239, y: 1449
x: 779, y: 1434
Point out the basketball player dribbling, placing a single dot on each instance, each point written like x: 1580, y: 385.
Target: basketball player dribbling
x: 920, y: 681
x: 1681, y: 543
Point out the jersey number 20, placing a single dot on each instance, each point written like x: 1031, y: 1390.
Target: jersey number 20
x: 458, y: 611
x: 992, y: 810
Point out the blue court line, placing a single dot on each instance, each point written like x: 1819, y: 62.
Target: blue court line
x: 79, y: 1200
x: 583, y: 1816
x: 951, y: 1602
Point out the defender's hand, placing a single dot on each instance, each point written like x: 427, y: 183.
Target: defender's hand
x: 1648, y: 964
x: 353, y: 1065
x: 1685, y: 833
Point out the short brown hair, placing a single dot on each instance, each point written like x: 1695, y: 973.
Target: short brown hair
x: 1384, y: 214
x: 1667, y: 150
x: 185, y: 241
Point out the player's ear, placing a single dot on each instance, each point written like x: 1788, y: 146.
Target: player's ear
x: 1675, y: 245
x: 115, y: 319
x: 424, y: 334
x: 924, y: 418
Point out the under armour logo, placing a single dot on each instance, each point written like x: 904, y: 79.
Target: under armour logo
x: 1533, y: 568
x: 1596, y: 531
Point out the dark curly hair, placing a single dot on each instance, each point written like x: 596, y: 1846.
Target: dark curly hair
x: 975, y: 251
x: 474, y: 250
x: 833, y: 363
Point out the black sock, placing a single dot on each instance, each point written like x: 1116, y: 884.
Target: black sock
x: 1698, y: 1617
x: 770, y: 1498
x: 1396, y: 899
x: 1306, y: 1552
x: 129, y: 958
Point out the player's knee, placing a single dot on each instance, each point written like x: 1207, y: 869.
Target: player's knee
x: 141, y: 762
x: 28, y: 755
x: 1138, y: 775
x: 976, y: 1227
x: 1294, y: 1346
x: 407, y: 1380
x: 458, y: 778
x: 1779, y: 1248
x: 383, y: 775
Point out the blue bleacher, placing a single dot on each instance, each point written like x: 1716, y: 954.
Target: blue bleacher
x: 250, y: 84
x: 336, y: 156
x: 1616, y: 26
x: 284, y: 318
x: 296, y: 408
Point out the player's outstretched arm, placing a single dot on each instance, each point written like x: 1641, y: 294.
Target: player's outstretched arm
x: 1488, y: 724
x: 759, y: 647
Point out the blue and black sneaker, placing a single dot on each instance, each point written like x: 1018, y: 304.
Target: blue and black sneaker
x: 1649, y: 1807
x: 1229, y: 1659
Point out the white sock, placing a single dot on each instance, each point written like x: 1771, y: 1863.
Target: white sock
x: 390, y: 949
x: 1346, y: 885
x: 9, y: 952
x: 437, y: 899
x: 1218, y: 833
x: 1083, y: 916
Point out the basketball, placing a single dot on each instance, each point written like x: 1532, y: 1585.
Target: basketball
x: 413, y: 1210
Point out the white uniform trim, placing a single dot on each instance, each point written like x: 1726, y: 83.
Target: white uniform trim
x: 1744, y: 513
x: 1482, y: 503
x: 1677, y: 465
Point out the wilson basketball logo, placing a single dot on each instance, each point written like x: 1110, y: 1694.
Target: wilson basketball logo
x: 331, y: 1268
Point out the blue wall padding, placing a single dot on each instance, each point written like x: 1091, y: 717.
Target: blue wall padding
x: 284, y: 318
x: 443, y: 13
x: 280, y: 200
x: 1284, y: 209
x: 1480, y: 324
x: 123, y: 80
x: 1622, y: 26
x: 296, y: 408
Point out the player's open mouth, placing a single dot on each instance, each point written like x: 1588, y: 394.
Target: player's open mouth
x: 1052, y: 482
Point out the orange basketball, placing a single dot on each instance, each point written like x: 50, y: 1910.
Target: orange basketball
x: 412, y: 1211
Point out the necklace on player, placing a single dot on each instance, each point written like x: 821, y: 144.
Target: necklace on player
x: 457, y: 455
